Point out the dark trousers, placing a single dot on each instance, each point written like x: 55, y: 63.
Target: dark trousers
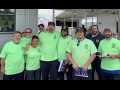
x: 107, y: 76
x: 30, y: 74
x: 69, y: 74
x: 24, y: 73
x: 82, y: 78
x: 96, y: 66
x: 18, y: 76
x: 49, y: 66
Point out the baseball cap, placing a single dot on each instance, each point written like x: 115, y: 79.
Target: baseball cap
x: 65, y: 28
x: 79, y: 28
x: 107, y: 28
x: 49, y: 23
x: 40, y: 25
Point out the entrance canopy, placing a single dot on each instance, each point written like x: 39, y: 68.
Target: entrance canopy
x: 81, y: 13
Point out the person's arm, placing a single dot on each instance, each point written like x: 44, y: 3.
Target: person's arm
x: 67, y: 61
x: 91, y: 59
x: 72, y: 61
x: 93, y: 52
x: 27, y: 46
x: 2, y: 65
x: 71, y: 36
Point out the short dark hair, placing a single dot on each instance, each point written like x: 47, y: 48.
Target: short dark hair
x: 34, y: 37
x: 40, y: 25
x: 17, y: 32
x: 95, y: 25
x: 30, y: 29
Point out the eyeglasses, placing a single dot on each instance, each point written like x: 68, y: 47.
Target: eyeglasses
x: 78, y: 43
x: 28, y: 32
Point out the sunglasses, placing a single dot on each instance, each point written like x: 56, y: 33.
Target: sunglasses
x: 28, y: 32
x: 78, y: 43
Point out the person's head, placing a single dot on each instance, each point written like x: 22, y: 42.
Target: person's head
x: 64, y: 31
x: 95, y: 30
x: 108, y: 32
x: 79, y: 32
x: 82, y: 26
x: 41, y: 27
x: 23, y: 34
x: 28, y: 32
x: 17, y: 36
x: 34, y: 40
x: 51, y: 26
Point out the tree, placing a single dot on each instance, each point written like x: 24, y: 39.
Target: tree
x: 6, y: 22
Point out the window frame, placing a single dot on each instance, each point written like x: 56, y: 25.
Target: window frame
x: 14, y: 23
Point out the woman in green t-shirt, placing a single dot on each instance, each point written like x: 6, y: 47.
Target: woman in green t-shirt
x: 32, y: 62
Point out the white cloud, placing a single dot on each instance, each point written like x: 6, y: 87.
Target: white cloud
x: 47, y: 13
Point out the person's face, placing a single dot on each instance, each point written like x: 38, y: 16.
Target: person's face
x: 35, y: 42
x: 17, y: 37
x: 94, y: 30
x: 51, y: 27
x: 80, y: 34
x: 28, y: 32
x: 41, y: 28
x: 108, y: 33
x: 64, y: 33
x: 23, y: 35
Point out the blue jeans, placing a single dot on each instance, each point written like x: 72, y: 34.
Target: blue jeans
x: 30, y: 74
x: 49, y: 66
x: 69, y: 74
x: 18, y: 76
x: 107, y: 76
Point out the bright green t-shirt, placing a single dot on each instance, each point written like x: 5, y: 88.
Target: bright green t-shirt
x: 14, y: 57
x: 111, y: 47
x: 61, y: 48
x: 48, y: 42
x: 33, y: 56
x: 38, y: 35
x: 25, y: 41
x: 81, y: 54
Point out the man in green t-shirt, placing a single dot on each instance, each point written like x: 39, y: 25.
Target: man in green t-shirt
x: 49, y: 58
x: 61, y: 50
x: 81, y: 52
x: 110, y: 66
x: 12, y: 59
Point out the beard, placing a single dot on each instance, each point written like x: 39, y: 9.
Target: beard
x: 64, y: 35
x: 106, y: 36
x: 95, y: 33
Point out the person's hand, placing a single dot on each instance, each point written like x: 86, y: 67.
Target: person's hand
x: 75, y: 67
x: 2, y: 70
x: 112, y: 56
x: 27, y: 47
x: 45, y: 30
x: 85, y: 67
x: 101, y: 57
x: 67, y: 61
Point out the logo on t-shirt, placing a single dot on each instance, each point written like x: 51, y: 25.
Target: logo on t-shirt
x: 97, y: 40
x: 113, y: 45
x: 55, y: 37
x: 86, y: 46
x: 38, y: 50
x: 22, y: 48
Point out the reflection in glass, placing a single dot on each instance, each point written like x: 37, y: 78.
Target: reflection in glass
x: 7, y: 23
x: 7, y: 11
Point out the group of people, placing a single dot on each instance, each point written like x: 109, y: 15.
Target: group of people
x: 39, y: 56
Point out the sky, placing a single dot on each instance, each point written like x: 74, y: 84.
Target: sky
x: 47, y: 13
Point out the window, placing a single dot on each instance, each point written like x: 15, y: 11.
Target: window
x: 7, y: 20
